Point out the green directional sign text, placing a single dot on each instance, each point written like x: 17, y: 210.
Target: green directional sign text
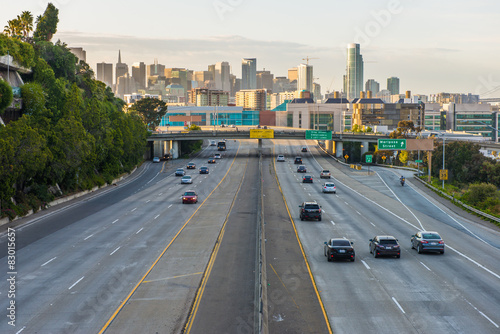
x: 319, y: 135
x: 392, y: 144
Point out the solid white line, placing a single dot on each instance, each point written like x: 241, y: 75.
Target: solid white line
x: 366, y: 265
x: 113, y: 252
x: 394, y: 299
x: 115, y: 221
x: 49, y: 261
x: 133, y: 209
x: 19, y: 331
x: 90, y: 236
x: 331, y: 221
x: 139, y: 230
x: 169, y: 206
x: 425, y: 266
x: 75, y: 283
x: 156, y: 216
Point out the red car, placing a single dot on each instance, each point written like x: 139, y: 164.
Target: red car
x: 189, y: 197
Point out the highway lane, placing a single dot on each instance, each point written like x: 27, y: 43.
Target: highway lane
x: 71, y: 278
x: 406, y: 294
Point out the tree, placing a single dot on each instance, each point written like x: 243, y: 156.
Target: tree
x: 403, y: 129
x: 13, y: 28
x: 403, y: 157
x: 26, y: 23
x: 46, y: 24
x: 5, y: 95
x: 151, y: 110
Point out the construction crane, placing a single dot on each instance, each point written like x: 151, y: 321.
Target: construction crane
x: 307, y: 59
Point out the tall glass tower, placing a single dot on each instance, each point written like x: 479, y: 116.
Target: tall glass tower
x: 393, y: 85
x: 249, y: 73
x: 354, y: 72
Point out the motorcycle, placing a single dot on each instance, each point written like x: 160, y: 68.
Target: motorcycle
x: 402, y: 182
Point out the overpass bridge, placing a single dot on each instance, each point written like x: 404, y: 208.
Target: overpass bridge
x: 167, y: 142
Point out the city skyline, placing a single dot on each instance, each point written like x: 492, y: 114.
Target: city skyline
x: 432, y: 47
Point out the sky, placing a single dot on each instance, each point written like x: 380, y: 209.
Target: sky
x: 431, y: 46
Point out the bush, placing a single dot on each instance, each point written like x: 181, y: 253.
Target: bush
x: 5, y: 95
x: 480, y: 192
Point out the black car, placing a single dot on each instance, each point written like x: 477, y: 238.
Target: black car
x: 310, y: 210
x: 204, y: 170
x: 211, y: 161
x: 304, y: 149
x: 339, y: 249
x: 301, y: 169
x: 307, y: 179
x: 427, y: 241
x: 298, y: 160
x: 385, y: 245
x: 191, y: 165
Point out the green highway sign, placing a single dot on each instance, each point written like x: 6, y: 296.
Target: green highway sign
x: 319, y: 135
x: 368, y: 158
x: 392, y: 144
x: 418, y: 161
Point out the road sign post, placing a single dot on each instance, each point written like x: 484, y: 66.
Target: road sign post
x: 368, y: 159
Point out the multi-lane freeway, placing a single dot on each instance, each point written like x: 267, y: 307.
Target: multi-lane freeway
x: 132, y: 258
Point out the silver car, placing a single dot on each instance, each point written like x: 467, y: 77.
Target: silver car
x: 329, y: 187
x: 186, y: 179
x: 280, y: 158
x: 427, y: 241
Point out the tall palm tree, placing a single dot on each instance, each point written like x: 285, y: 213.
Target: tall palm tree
x: 26, y: 23
x: 13, y: 28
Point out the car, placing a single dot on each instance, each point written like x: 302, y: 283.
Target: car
x: 298, y: 161
x: 325, y: 174
x: 304, y: 149
x: 301, y: 169
x: 217, y: 156
x: 212, y: 143
x: 427, y: 241
x: 204, y: 170
x: 339, y: 248
x: 280, y: 158
x: 385, y: 245
x: 307, y: 179
x: 211, y: 161
x: 310, y: 210
x: 232, y: 125
x: 189, y: 196
x: 186, y: 179
x: 179, y: 172
x: 156, y: 159
x: 329, y: 187
x: 191, y: 165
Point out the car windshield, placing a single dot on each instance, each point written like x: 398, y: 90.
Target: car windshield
x: 180, y: 170
x: 388, y: 242
x: 430, y: 236
x: 189, y: 193
x: 341, y: 243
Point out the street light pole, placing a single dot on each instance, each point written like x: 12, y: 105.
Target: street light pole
x: 444, y: 139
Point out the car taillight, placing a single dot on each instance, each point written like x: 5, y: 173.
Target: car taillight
x: 425, y: 242
x: 441, y: 242
x: 396, y: 246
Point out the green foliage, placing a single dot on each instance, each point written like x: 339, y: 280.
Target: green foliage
x: 59, y: 58
x: 33, y: 99
x: 403, y: 130
x: 22, y: 52
x: 403, y: 157
x: 194, y: 127
x: 151, y: 110
x: 46, y: 24
x: 478, y: 193
x: 5, y: 95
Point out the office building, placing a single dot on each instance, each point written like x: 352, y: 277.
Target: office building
x: 265, y: 80
x: 235, y: 84
x: 353, y: 80
x: 80, y: 53
x: 317, y: 92
x: 393, y: 85
x: 372, y: 86
x: 249, y: 73
x: 202, y: 97
x: 305, y: 77
x: 125, y: 85
x: 252, y: 99
x: 139, y: 75
x: 120, y: 68
x: 205, y: 116
x: 292, y: 74
x: 105, y: 73
x: 222, y: 72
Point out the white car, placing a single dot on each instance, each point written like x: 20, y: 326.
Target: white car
x: 186, y: 179
x: 212, y: 143
x: 156, y: 159
x: 280, y: 158
x: 329, y: 187
x: 217, y: 156
x: 325, y: 174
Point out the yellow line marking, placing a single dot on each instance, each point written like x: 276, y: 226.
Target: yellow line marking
x: 113, y: 316
x: 201, y: 290
x: 167, y: 278
x: 302, y: 250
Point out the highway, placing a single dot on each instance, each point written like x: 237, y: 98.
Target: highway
x: 132, y: 259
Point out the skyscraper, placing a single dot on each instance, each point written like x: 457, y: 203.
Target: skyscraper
x: 121, y: 68
x: 372, y: 86
x: 249, y: 73
x: 305, y: 77
x: 222, y: 72
x: 139, y: 75
x: 353, y: 80
x: 105, y: 73
x: 265, y: 80
x: 393, y: 85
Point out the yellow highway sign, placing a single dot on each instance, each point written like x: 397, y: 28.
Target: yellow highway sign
x: 262, y: 133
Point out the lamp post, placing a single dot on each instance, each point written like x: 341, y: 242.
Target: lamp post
x: 444, y: 139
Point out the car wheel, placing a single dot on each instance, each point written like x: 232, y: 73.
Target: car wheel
x: 442, y: 252
x: 301, y: 218
x: 371, y: 250
x: 375, y: 254
x: 353, y: 259
x: 412, y: 247
x: 398, y: 256
x: 419, y: 249
x: 319, y: 219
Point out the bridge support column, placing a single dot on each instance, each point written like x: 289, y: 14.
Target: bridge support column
x: 260, y: 147
x: 339, y: 148
x: 174, y: 150
x: 158, y: 148
x: 330, y: 146
x: 364, y: 147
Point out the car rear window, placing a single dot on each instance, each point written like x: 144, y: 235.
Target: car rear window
x: 329, y: 185
x: 341, y: 243
x: 431, y: 236
x: 326, y: 171
x: 311, y: 206
x: 388, y: 242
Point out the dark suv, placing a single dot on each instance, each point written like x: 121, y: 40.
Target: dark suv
x: 385, y: 245
x: 310, y: 210
x: 298, y: 161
